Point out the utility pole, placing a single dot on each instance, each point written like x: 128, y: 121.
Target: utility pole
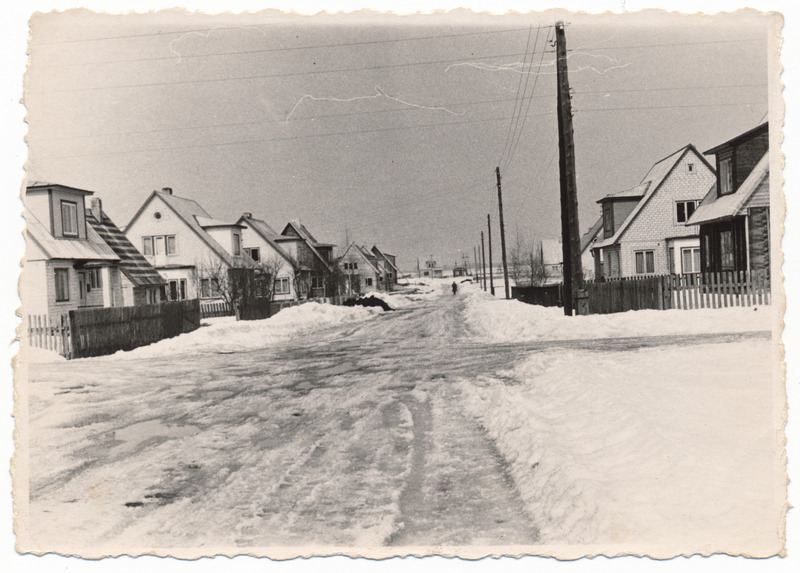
x: 502, y: 232
x: 491, y: 269
x: 483, y: 260
x: 475, y: 259
x: 570, y: 230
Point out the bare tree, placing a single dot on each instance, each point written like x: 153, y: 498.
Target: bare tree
x: 537, y: 275
x: 231, y: 283
x: 267, y: 271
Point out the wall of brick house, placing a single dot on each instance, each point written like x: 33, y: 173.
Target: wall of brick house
x: 191, y: 250
x: 657, y: 220
x: 267, y: 252
x: 758, y: 229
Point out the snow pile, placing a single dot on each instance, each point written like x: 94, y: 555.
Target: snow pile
x: 634, y: 447
x: 228, y: 335
x: 502, y: 320
x: 32, y: 355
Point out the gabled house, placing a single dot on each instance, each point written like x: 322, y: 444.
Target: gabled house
x: 139, y: 280
x: 644, y: 227
x: 388, y: 265
x: 733, y: 218
x: 313, y: 261
x: 361, y: 270
x: 588, y: 239
x: 260, y: 243
x: 193, y: 252
x: 67, y: 263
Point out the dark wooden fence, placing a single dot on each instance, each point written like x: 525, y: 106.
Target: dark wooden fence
x: 549, y: 295
x: 99, y: 331
x: 706, y: 290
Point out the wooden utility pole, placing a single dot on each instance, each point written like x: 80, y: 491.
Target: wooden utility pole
x: 502, y: 232
x: 570, y: 230
x: 491, y: 268
x: 483, y: 260
x: 475, y: 259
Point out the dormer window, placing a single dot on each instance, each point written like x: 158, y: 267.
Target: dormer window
x: 726, y: 176
x: 69, y: 218
x: 237, y: 244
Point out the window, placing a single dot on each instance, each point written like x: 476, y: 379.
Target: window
x: 157, y: 245
x: 95, y: 279
x: 672, y: 260
x: 237, y: 244
x: 368, y: 281
x: 253, y: 252
x: 62, y: 285
x: 725, y: 176
x: 726, y: 250
x: 205, y: 288
x: 608, y: 220
x: 690, y: 260
x: 645, y: 262
x: 152, y: 296
x: 690, y: 167
x: 282, y: 286
x: 317, y: 282
x: 177, y: 289
x: 69, y: 219
x: 685, y: 209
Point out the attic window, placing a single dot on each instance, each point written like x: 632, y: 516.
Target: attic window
x: 690, y: 167
x: 157, y: 215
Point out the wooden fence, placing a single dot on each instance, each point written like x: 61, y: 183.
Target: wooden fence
x: 215, y: 309
x: 706, y: 290
x: 549, y: 295
x: 99, y: 331
x: 719, y: 290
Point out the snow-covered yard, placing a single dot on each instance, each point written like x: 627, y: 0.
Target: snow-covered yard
x: 611, y: 439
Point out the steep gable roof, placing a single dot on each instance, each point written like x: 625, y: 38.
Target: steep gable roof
x: 385, y: 256
x: 364, y: 254
x: 713, y: 208
x: 263, y: 230
x: 656, y: 176
x: 131, y: 262
x: 588, y: 237
x: 190, y: 212
x: 294, y: 228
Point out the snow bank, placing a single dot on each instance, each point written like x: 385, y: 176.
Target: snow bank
x: 635, y: 447
x: 227, y: 335
x: 500, y: 320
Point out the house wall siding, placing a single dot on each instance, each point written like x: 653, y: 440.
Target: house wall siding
x: 747, y: 155
x: 192, y: 251
x: 657, y: 220
x: 758, y: 229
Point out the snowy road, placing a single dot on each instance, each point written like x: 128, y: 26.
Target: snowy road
x: 359, y: 435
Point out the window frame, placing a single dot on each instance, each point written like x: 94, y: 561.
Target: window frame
x: 689, y: 207
x: 72, y: 209
x: 279, y: 286
x: 147, y: 241
x: 236, y: 239
x: 725, y: 176
x: 694, y: 257
x: 64, y: 273
x: 645, y: 259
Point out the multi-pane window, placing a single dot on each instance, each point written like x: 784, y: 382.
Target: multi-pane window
x: 94, y: 278
x: 684, y: 210
x: 62, y: 285
x: 155, y: 245
x: 69, y: 218
x: 726, y: 250
x: 645, y: 262
x: 282, y: 286
x: 690, y: 260
x: 253, y: 252
x: 368, y: 281
x: 177, y: 289
x: 351, y: 266
x: 725, y: 176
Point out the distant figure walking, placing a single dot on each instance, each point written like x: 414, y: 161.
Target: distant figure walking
x: 455, y: 287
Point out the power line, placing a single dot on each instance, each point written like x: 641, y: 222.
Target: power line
x: 266, y: 76
x: 517, y: 94
x: 217, y: 29
x: 664, y: 45
x: 530, y: 100
x: 281, y: 49
x: 718, y: 104
x: 296, y: 137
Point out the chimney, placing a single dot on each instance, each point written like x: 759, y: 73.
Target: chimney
x: 248, y: 215
x: 167, y: 190
x: 97, y: 209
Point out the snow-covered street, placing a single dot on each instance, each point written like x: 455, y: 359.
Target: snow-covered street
x: 452, y: 421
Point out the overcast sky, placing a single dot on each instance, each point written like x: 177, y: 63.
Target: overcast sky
x: 383, y: 129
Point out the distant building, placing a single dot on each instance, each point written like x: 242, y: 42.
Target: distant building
x: 594, y: 234
x: 552, y: 260
x: 361, y: 270
x: 261, y: 243
x: 313, y: 261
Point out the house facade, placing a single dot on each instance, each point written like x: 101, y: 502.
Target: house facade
x: 388, y: 266
x: 588, y: 240
x: 67, y: 263
x: 314, y: 261
x: 644, y: 227
x: 193, y: 252
x: 734, y: 217
x: 261, y: 245
x: 361, y: 271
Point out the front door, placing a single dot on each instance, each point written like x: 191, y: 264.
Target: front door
x: 81, y: 288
